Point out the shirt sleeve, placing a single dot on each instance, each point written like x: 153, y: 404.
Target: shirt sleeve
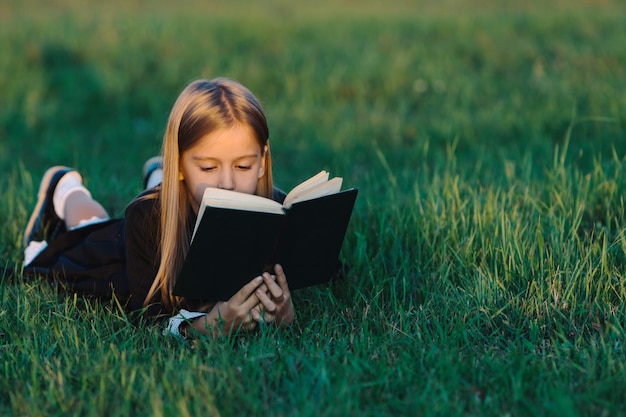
x: 142, y: 251
x: 174, y: 322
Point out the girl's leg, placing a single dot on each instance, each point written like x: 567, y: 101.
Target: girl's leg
x: 63, y: 203
x: 73, y: 202
x: 81, y: 208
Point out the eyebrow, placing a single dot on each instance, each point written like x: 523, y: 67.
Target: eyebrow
x: 209, y: 158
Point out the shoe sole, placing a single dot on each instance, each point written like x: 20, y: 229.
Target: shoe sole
x: 41, y: 198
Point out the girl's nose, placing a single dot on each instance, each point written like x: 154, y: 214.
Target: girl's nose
x: 226, y: 180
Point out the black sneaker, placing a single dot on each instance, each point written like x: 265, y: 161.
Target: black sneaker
x: 151, y: 165
x: 44, y: 224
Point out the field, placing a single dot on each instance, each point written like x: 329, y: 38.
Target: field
x: 487, y: 250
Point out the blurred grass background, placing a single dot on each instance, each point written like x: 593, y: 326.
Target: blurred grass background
x: 487, y: 248
x: 500, y: 80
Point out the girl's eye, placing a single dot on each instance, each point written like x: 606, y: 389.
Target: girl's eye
x: 207, y: 169
x: 243, y: 167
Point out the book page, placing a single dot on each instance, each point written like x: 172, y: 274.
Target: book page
x: 325, y: 188
x: 314, y: 181
x: 217, y: 197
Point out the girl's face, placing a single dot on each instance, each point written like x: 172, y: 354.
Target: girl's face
x: 230, y: 158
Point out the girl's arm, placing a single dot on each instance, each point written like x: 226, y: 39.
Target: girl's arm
x: 142, y: 249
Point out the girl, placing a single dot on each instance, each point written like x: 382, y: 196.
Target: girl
x: 216, y: 136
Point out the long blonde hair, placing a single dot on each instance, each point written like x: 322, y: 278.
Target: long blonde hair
x: 204, y: 106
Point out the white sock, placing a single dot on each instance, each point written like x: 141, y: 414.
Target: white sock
x: 69, y: 183
x: 155, y: 178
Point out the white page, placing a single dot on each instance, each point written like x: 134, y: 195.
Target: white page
x: 216, y: 197
x: 314, y: 181
x: 332, y: 186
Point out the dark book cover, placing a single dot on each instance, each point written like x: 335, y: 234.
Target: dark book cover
x: 311, y: 239
x: 231, y: 247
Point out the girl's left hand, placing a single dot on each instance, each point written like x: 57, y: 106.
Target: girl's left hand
x: 275, y: 302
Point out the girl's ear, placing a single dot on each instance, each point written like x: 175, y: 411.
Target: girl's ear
x: 266, y: 149
x: 180, y: 176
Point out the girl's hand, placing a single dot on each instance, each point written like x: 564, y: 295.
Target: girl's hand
x: 275, y: 301
x: 234, y: 314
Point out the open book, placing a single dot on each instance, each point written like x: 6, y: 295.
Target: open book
x: 238, y: 236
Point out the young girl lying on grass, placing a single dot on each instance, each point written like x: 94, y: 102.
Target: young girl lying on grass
x: 217, y: 136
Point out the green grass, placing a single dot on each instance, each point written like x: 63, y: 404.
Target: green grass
x: 487, y: 250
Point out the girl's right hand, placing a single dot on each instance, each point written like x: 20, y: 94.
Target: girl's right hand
x: 234, y: 314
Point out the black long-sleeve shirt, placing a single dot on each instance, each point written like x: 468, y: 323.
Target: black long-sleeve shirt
x: 142, y: 249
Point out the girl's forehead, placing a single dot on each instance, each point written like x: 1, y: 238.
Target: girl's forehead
x: 235, y: 141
